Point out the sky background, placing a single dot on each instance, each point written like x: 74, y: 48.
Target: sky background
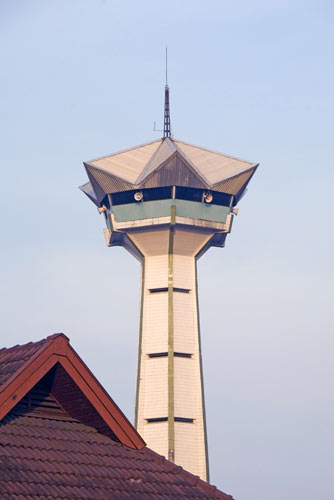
x: 82, y: 79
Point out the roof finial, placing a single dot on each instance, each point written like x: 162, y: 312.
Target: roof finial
x: 167, y: 132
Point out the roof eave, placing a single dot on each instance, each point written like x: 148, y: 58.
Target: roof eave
x: 85, y: 190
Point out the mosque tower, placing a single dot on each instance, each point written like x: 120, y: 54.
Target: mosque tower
x: 167, y: 202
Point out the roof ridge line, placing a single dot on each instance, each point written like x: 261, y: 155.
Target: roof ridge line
x: 101, y: 169
x: 188, y: 164
x: 191, y: 164
x: 236, y: 175
x: 141, y: 177
x: 32, y: 342
x: 145, y: 179
x: 176, y: 153
x: 123, y: 151
x: 216, y: 152
x: 48, y: 341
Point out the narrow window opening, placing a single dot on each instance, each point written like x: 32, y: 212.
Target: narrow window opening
x: 183, y: 419
x: 165, y: 419
x: 164, y: 354
x: 157, y: 419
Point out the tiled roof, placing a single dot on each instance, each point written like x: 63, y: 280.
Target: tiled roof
x: 67, y: 460
x: 47, y: 453
x: 13, y: 358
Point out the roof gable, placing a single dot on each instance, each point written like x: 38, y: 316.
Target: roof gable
x: 39, y: 401
x: 175, y: 171
x: 165, y: 151
x: 54, y: 360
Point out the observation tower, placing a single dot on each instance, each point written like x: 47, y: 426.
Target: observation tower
x: 167, y: 202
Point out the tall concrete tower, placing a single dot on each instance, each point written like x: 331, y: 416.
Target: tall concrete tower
x: 167, y: 202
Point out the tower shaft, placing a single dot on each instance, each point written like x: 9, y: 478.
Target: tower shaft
x: 170, y: 411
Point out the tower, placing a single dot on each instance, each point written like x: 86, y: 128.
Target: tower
x: 167, y: 202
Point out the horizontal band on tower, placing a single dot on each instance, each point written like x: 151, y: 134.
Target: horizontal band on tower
x: 164, y: 354
x: 165, y: 419
x: 165, y: 289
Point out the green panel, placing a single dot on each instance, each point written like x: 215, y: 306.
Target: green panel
x: 162, y: 208
x: 142, y: 210
x: 203, y: 211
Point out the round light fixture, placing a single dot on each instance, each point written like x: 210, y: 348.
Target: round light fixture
x: 138, y: 196
x: 208, y: 197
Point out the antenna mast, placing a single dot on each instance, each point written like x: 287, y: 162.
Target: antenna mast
x: 167, y: 132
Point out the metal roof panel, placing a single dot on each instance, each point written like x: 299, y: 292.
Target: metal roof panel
x: 215, y: 167
x: 128, y: 164
x: 164, y: 151
x: 234, y: 184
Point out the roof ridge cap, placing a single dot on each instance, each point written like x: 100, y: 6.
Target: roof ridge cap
x: 44, y: 345
x: 59, y: 334
x: 32, y: 342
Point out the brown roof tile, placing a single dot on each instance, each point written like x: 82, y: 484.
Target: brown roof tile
x: 69, y: 460
x: 13, y: 358
x: 54, y: 456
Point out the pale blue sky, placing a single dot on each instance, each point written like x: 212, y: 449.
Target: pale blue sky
x: 81, y: 79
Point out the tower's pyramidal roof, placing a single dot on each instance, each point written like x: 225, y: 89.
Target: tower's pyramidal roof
x: 166, y: 162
